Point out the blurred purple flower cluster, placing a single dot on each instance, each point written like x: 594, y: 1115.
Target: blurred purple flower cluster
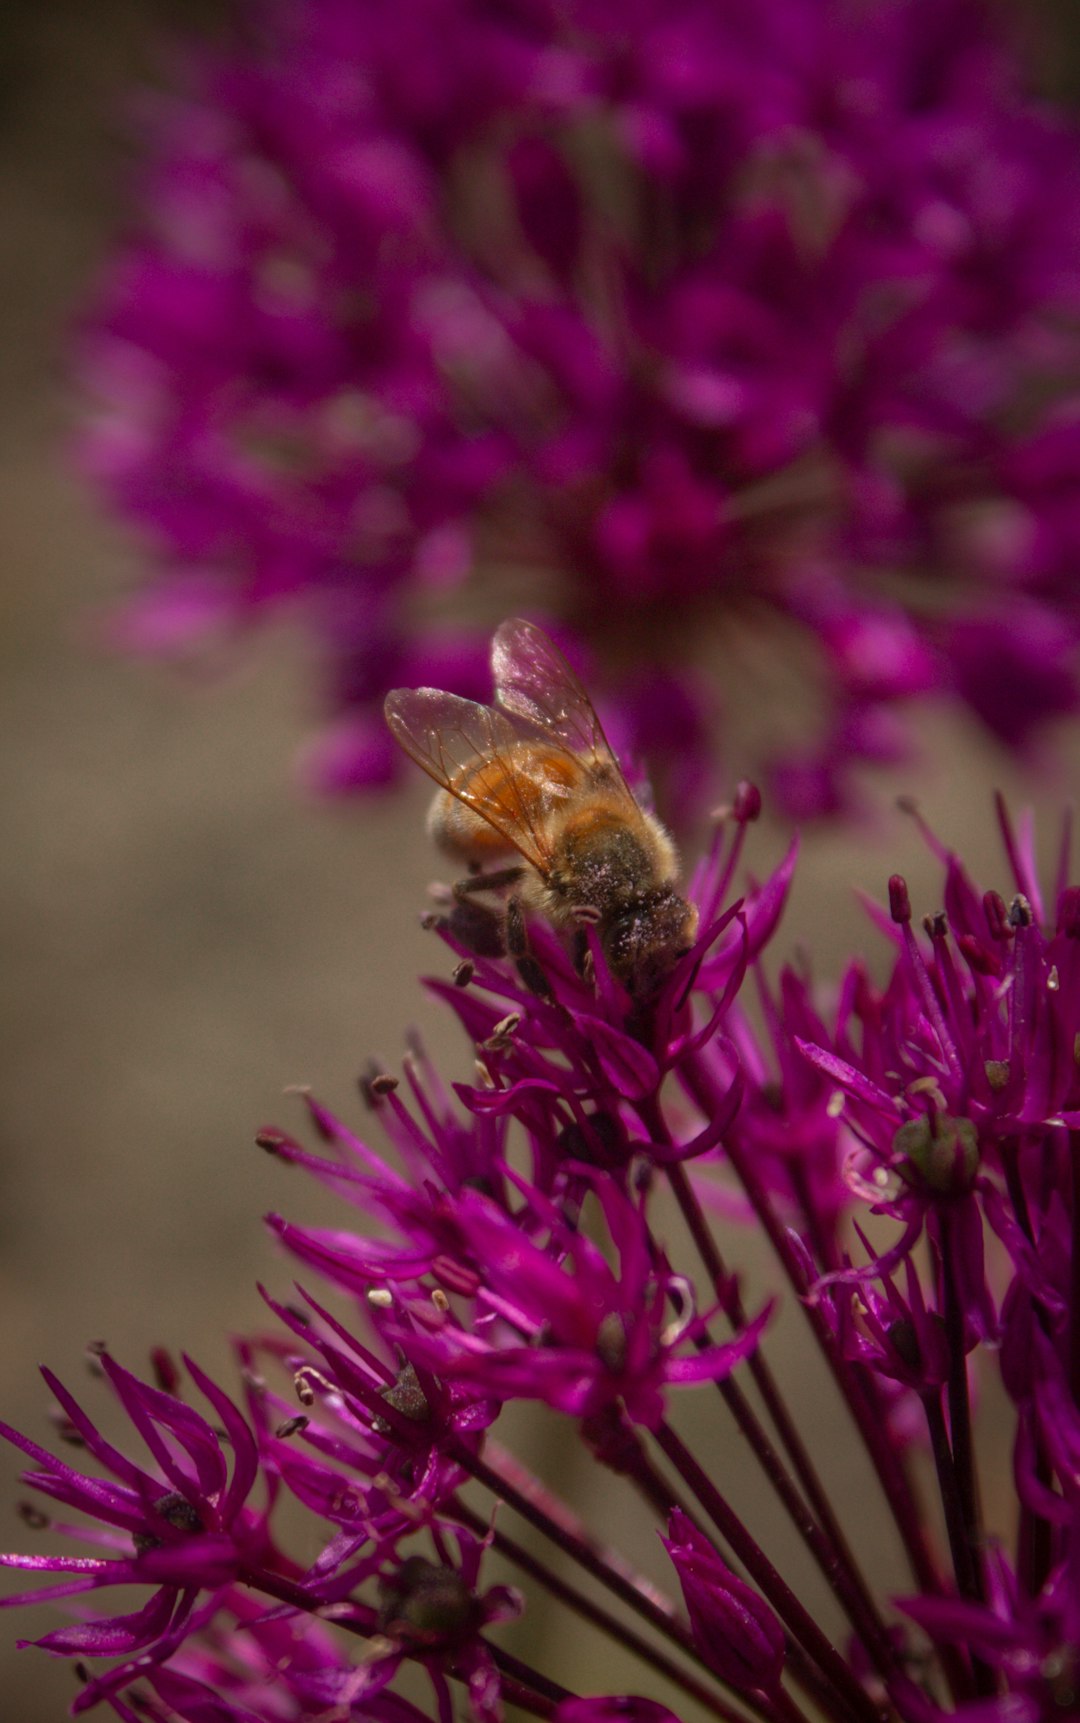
x: 673, y: 322
x: 551, y: 1232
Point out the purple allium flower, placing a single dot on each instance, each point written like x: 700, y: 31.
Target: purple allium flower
x: 1031, y: 1643
x: 694, y: 322
x: 557, y: 1323
x: 183, y: 1528
x: 565, y: 1229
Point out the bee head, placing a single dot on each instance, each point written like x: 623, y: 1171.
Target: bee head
x: 648, y: 938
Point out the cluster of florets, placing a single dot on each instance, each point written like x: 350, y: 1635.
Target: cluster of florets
x: 519, y: 1252
x: 682, y: 317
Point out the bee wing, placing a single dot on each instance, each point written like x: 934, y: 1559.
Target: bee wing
x: 534, y: 681
x: 482, y: 756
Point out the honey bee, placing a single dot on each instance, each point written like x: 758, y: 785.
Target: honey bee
x: 534, y: 775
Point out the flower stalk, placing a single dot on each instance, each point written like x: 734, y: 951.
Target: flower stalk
x: 824, y: 1536
x: 857, y: 1393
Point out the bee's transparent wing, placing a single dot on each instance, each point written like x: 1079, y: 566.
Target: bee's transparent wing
x: 494, y: 762
x: 534, y: 682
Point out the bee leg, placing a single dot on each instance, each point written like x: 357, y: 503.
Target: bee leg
x: 479, y: 929
x: 517, y: 944
x: 488, y: 881
x: 585, y: 915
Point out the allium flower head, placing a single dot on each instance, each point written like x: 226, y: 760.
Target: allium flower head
x: 184, y: 1527
x: 691, y: 321
x: 564, y: 1230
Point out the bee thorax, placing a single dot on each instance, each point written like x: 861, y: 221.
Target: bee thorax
x: 600, y: 864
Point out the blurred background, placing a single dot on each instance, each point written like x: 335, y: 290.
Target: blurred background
x: 183, y: 934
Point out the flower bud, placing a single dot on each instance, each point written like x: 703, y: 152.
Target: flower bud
x: 614, y: 1708
x: 734, y: 1629
x: 425, y: 1606
x: 941, y: 1151
x: 747, y: 804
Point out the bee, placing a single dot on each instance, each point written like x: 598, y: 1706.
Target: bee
x: 533, y: 777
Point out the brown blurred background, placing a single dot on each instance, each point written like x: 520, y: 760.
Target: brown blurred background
x: 182, y: 934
